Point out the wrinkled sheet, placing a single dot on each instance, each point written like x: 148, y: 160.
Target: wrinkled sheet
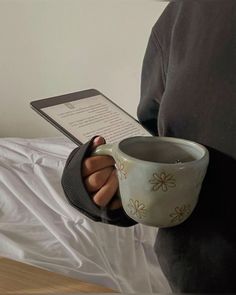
x: 39, y: 227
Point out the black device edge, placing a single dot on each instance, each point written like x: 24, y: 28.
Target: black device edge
x: 57, y: 126
x: 37, y: 106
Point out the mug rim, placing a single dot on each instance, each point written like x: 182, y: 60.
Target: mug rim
x: 188, y: 142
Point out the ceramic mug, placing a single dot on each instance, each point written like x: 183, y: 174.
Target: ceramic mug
x: 159, y: 177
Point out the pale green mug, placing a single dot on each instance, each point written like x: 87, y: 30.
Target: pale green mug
x: 159, y: 177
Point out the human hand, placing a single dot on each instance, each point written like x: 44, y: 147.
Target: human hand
x: 100, y: 178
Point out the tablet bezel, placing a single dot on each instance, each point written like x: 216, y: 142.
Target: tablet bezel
x: 38, y: 105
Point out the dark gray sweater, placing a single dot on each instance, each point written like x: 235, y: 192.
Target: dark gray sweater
x: 189, y: 74
x: 188, y: 90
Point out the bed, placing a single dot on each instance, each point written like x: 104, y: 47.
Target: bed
x: 40, y: 228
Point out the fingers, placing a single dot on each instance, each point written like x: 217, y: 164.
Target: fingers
x: 96, y: 180
x: 98, y: 141
x: 96, y: 163
x: 107, y: 191
x: 100, y: 178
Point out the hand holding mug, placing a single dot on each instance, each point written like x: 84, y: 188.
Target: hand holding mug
x: 100, y: 178
x: 159, y: 177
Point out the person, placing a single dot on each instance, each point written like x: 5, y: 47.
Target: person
x: 188, y: 90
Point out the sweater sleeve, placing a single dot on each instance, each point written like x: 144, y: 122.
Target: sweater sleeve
x: 152, y: 85
x: 77, y: 195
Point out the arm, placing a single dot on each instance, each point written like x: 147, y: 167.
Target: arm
x: 152, y: 85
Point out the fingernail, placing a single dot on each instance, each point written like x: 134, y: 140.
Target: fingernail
x: 96, y: 139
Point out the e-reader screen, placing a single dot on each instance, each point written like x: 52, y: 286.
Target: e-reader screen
x: 85, y: 117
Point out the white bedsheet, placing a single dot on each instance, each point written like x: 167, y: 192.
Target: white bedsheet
x: 39, y: 227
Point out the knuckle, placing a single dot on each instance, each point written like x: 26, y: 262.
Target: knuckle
x: 89, y: 164
x: 97, y: 180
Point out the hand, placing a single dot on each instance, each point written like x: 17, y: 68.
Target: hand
x: 100, y: 178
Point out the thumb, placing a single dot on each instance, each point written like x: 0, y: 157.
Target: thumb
x: 98, y: 141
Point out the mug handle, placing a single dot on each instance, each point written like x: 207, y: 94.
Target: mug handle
x: 103, y: 150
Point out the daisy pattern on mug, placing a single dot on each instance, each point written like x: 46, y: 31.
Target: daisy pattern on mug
x: 137, y: 208
x: 121, y: 169
x: 180, y: 213
x: 162, y: 181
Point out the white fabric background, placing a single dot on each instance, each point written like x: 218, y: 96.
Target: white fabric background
x: 39, y: 227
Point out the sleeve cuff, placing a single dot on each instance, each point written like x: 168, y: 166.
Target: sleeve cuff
x: 77, y: 195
